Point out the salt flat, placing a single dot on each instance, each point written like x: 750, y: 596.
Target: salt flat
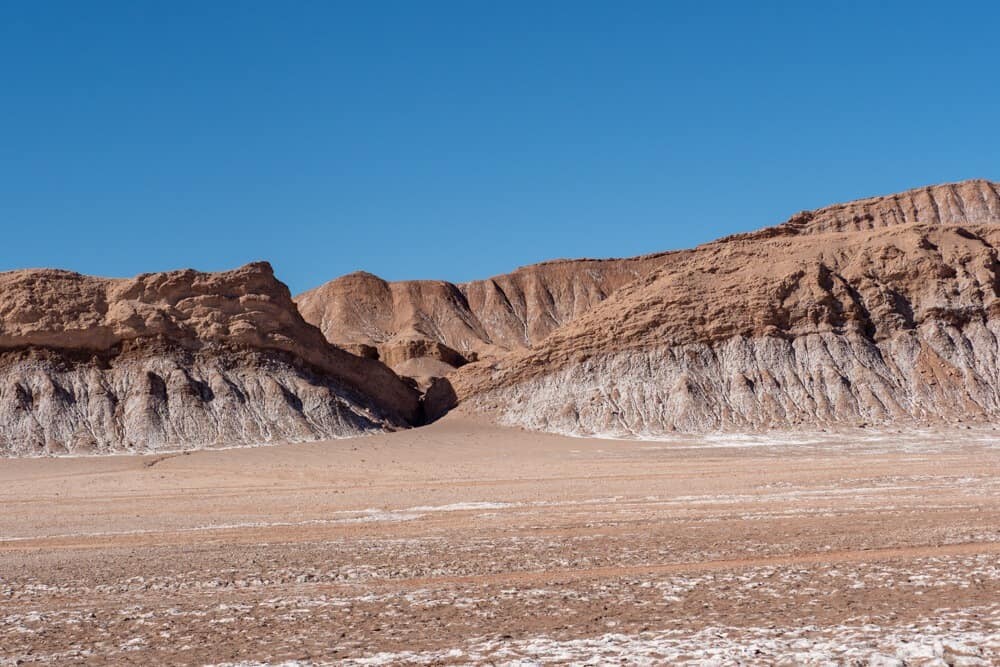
x: 468, y: 543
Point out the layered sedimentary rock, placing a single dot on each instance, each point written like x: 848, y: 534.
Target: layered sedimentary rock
x: 427, y: 320
x: 176, y: 360
x: 879, y: 311
x: 969, y: 202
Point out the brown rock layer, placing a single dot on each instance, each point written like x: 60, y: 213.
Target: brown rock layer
x: 480, y: 318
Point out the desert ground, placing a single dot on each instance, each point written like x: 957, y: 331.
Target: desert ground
x: 466, y: 543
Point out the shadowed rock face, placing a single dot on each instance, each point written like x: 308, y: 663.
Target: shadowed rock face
x: 486, y: 318
x: 819, y: 321
x: 176, y: 360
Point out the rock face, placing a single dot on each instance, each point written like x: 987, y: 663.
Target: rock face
x: 879, y: 311
x: 176, y: 360
x: 427, y: 320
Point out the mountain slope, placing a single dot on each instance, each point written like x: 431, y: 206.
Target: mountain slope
x: 176, y: 360
x: 848, y: 315
x: 408, y: 322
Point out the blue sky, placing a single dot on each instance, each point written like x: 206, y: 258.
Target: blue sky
x: 457, y: 140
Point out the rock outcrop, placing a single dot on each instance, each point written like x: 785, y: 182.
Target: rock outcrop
x: 879, y: 311
x: 416, y: 322
x: 177, y: 360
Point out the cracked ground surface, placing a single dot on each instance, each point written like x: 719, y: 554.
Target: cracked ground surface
x: 466, y: 543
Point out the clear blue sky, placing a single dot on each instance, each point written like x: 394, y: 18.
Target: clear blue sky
x: 461, y: 139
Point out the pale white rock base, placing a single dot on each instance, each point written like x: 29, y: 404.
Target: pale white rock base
x: 50, y: 404
x: 938, y: 373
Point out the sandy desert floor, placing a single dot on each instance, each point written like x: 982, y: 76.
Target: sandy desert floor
x: 464, y: 543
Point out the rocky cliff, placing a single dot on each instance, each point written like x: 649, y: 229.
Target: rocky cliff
x: 176, y: 360
x: 879, y: 311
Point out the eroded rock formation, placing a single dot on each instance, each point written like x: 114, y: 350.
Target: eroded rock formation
x: 420, y: 321
x: 879, y: 311
x: 176, y: 360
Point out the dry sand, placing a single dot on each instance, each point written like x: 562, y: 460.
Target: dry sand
x: 467, y: 543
